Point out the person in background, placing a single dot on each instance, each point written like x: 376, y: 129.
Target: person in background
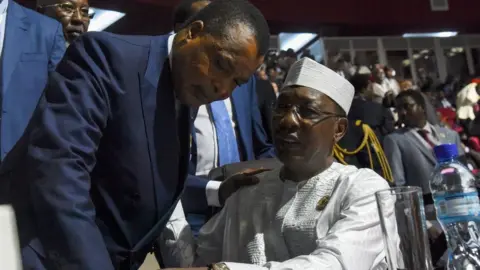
x: 406, y: 85
x: 409, y: 150
x: 467, y: 104
x: 367, y: 122
x: 273, y: 78
x: 74, y: 15
x: 225, y: 132
x: 391, y: 81
x: 379, y: 118
x: 425, y: 81
x: 31, y: 45
x: 103, y: 162
x: 378, y: 88
x: 262, y: 73
x: 312, y: 213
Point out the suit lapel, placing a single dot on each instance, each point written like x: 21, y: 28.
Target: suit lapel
x: 238, y: 101
x: 16, y: 34
x: 421, y: 145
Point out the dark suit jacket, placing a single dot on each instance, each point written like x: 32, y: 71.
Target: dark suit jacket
x: 379, y: 118
x: 103, y: 161
x: 33, y: 46
x: 266, y: 99
x: 252, y: 142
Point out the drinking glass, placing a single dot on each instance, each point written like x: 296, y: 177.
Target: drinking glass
x: 402, y: 218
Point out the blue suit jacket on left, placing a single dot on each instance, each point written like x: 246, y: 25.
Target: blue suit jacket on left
x: 102, y: 164
x: 33, y: 46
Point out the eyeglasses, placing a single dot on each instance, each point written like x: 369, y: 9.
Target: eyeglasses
x: 303, y: 113
x: 69, y: 9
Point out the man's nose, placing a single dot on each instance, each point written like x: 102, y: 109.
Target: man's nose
x: 77, y: 16
x: 290, y: 121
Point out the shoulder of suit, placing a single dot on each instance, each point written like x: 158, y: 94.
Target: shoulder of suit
x: 46, y: 23
x: 119, y: 40
x: 399, y: 133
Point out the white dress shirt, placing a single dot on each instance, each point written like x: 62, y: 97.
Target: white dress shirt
x: 280, y: 225
x: 3, y: 22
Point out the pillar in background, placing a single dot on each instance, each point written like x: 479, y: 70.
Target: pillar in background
x: 468, y: 54
x: 382, y: 54
x: 351, y: 49
x: 441, y: 62
x: 413, y: 68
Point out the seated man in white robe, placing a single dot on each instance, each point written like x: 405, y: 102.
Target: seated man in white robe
x: 313, y: 213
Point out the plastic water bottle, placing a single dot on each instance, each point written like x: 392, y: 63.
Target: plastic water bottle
x: 458, y: 208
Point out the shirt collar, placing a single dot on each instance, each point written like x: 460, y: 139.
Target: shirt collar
x: 169, y: 47
x: 3, y: 6
x: 428, y: 127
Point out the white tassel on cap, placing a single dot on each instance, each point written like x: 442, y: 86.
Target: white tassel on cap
x: 307, y: 72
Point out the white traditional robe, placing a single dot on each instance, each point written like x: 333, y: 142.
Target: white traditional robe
x: 280, y: 225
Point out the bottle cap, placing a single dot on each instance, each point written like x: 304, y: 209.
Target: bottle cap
x: 446, y: 151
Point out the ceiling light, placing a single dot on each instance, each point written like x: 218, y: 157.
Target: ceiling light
x: 103, y: 18
x: 295, y: 41
x: 445, y: 34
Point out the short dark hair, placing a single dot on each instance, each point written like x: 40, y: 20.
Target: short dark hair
x: 415, y: 95
x: 360, y: 82
x: 222, y: 14
x: 183, y: 11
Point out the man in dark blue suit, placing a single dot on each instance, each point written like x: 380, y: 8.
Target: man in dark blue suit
x: 103, y: 162
x: 31, y: 45
x: 225, y: 132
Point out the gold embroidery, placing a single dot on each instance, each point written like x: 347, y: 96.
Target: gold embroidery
x: 322, y: 203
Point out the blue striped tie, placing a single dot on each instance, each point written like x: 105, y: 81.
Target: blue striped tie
x: 226, y: 140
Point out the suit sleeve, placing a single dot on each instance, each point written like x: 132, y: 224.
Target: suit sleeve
x: 262, y: 148
x: 58, y: 49
x: 394, y: 157
x: 65, y: 136
x: 194, y: 196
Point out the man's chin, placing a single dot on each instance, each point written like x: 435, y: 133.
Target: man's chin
x: 287, y: 157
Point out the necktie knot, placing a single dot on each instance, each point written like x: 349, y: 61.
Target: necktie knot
x: 424, y: 133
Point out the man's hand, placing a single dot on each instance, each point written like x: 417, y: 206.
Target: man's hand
x: 236, y: 181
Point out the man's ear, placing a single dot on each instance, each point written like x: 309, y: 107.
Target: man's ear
x: 341, y: 127
x: 195, y: 29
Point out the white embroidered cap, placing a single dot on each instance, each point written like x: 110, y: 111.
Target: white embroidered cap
x: 307, y: 72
